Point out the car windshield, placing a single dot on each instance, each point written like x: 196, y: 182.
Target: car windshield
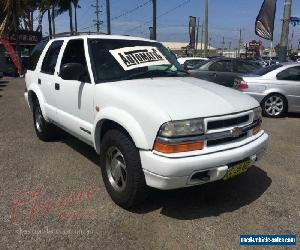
x: 266, y: 70
x: 114, y: 60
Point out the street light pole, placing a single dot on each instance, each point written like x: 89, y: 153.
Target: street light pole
x: 240, y: 43
x: 206, y: 29
x: 197, y: 37
x: 285, y: 30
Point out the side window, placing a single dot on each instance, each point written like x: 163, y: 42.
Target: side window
x: 50, y: 59
x: 290, y: 74
x: 221, y: 66
x: 245, y: 67
x: 74, y: 53
x: 35, y: 55
x: 192, y: 62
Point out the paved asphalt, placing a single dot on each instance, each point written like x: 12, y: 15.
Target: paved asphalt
x: 53, y: 197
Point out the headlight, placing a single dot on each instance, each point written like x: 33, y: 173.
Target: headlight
x: 257, y: 114
x: 182, y: 128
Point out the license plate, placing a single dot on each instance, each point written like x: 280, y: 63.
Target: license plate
x: 237, y: 169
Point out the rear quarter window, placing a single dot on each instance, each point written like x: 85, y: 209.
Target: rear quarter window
x: 35, y: 55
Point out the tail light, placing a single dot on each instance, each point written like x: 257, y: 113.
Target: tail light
x: 242, y: 85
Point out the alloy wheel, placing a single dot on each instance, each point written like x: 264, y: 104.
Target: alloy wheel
x: 116, y: 168
x: 274, y: 105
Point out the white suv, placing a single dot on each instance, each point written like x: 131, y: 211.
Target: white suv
x: 150, y: 122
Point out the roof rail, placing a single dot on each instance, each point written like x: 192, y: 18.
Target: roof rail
x: 68, y: 34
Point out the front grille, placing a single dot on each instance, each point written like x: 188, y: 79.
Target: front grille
x: 227, y: 123
x: 225, y: 140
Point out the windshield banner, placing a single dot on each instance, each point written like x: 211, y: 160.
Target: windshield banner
x: 140, y: 56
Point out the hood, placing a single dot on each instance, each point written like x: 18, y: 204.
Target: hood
x: 183, y: 97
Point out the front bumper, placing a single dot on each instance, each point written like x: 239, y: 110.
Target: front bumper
x: 171, y: 173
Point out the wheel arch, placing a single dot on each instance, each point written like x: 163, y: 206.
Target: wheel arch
x: 34, y: 93
x: 276, y: 93
x: 114, y: 118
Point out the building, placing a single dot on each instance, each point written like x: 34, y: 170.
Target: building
x: 27, y: 41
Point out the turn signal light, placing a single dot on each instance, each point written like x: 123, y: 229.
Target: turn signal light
x: 256, y: 129
x: 178, y: 148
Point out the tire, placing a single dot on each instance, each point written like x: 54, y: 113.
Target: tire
x: 121, y: 169
x: 274, y: 105
x: 44, y: 130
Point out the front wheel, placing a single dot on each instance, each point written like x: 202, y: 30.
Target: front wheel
x: 121, y: 169
x: 274, y: 105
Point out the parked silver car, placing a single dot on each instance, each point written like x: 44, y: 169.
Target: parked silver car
x: 276, y: 87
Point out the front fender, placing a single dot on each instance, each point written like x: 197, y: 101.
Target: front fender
x: 275, y: 90
x: 124, y: 119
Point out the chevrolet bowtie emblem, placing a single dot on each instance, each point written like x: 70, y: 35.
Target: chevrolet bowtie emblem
x: 236, y: 132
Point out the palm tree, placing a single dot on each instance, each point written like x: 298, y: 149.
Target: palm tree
x: 66, y: 5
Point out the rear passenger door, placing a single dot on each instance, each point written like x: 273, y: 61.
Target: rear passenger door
x: 46, y: 78
x: 221, y: 72
x: 75, y: 99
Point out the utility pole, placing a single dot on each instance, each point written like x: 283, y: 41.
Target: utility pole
x: 240, y: 42
x: 206, y: 29
x: 223, y: 42
x: 209, y: 45
x: 108, y: 17
x: 97, y: 12
x: 154, y: 19
x: 285, y: 30
x: 201, y: 45
x: 197, y: 37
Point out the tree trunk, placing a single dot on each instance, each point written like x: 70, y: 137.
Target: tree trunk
x: 75, y: 13
x: 40, y: 21
x: 49, y: 22
x: 53, y: 21
x: 71, y: 17
x: 31, y: 20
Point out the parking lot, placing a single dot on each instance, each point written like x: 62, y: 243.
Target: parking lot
x: 53, y: 196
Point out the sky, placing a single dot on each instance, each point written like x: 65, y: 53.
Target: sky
x: 226, y: 17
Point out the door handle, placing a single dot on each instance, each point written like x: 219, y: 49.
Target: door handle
x: 57, y: 86
x: 213, y: 74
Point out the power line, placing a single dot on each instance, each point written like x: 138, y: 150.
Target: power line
x: 131, y: 10
x: 161, y: 15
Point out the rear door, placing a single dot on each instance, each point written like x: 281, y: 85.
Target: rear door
x: 221, y: 72
x: 289, y: 81
x: 46, y: 78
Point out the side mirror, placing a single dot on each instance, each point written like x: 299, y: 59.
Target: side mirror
x: 72, y: 71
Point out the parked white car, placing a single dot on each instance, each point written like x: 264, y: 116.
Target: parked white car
x: 190, y: 62
x: 150, y: 122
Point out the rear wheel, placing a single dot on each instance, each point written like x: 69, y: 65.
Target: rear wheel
x: 44, y: 130
x: 121, y: 169
x: 274, y: 105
